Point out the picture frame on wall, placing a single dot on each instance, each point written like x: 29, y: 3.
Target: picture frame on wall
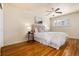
x: 65, y: 22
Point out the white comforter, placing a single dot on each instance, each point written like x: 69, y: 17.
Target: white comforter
x: 53, y: 39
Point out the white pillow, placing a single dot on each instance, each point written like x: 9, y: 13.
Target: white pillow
x: 40, y: 28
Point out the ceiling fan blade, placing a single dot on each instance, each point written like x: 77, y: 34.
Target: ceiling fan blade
x: 58, y: 12
x: 57, y: 9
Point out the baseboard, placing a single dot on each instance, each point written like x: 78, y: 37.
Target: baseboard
x: 15, y: 43
x: 73, y: 38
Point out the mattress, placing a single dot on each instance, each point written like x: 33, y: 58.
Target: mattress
x: 53, y: 39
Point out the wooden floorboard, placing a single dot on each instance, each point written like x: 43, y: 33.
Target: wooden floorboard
x: 33, y: 48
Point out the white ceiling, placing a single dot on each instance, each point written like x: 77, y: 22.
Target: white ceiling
x: 41, y: 8
x: 67, y: 8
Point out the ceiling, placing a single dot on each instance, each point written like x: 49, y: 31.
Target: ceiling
x: 41, y: 8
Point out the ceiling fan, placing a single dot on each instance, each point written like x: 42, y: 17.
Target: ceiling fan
x: 57, y: 10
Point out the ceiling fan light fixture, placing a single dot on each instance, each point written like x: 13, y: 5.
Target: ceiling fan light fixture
x: 52, y: 12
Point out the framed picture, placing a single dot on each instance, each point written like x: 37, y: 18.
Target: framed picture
x: 64, y: 22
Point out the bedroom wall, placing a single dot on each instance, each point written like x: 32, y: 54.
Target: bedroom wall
x: 14, y: 24
x: 73, y: 29
x: 15, y: 18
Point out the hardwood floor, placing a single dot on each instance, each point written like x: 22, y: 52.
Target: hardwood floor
x: 33, y: 48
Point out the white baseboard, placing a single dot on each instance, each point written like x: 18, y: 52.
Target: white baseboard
x: 74, y: 38
x: 14, y: 42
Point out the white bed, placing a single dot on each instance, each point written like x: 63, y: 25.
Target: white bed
x: 53, y: 39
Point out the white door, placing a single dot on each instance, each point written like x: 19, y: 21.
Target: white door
x: 1, y: 28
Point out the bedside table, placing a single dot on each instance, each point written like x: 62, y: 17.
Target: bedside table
x: 30, y: 35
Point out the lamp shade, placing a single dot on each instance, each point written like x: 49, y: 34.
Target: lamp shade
x: 28, y: 27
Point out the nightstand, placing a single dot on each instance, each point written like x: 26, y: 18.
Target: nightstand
x: 30, y: 36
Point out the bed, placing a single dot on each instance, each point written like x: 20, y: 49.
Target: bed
x: 52, y: 39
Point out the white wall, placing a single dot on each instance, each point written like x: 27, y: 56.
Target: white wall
x: 73, y: 29
x: 14, y: 24
x: 1, y: 28
x: 15, y: 19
